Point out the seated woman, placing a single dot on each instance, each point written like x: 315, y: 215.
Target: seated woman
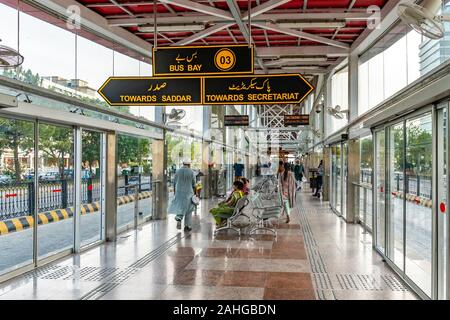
x: 225, y: 209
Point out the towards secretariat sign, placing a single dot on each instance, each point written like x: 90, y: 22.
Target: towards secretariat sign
x: 225, y: 90
x: 256, y: 89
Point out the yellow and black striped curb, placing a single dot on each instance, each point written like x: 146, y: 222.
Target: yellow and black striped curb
x: 422, y: 201
x: 22, y: 223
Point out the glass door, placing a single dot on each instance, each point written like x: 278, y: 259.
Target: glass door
x: 344, y: 178
x: 17, y: 139
x: 55, y: 232
x: 338, y: 179
x: 418, y: 209
x: 396, y: 195
x: 92, y: 218
x: 379, y: 190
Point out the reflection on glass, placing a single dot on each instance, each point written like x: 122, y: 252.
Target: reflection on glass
x: 16, y: 192
x: 418, y: 175
x: 338, y: 179
x: 91, y: 187
x: 344, y: 148
x: 56, y: 189
x: 365, y: 193
x: 134, y: 176
x: 380, y: 187
x: 396, y: 195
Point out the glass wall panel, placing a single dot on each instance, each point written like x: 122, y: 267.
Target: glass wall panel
x: 365, y: 193
x: 380, y: 187
x: 134, y: 176
x: 418, y: 175
x: 338, y: 179
x: 396, y: 194
x: 91, y: 223
x: 56, y: 189
x: 16, y: 192
x: 442, y: 202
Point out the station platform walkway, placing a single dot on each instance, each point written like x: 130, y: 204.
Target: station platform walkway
x: 316, y: 256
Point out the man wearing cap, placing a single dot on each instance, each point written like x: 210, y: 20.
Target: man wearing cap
x: 184, y: 187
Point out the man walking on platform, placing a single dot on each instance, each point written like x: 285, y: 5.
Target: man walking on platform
x: 299, y: 172
x: 184, y: 188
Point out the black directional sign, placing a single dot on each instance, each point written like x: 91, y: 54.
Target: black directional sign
x: 208, y: 60
x: 236, y: 120
x: 148, y: 91
x: 296, y: 119
x: 256, y: 89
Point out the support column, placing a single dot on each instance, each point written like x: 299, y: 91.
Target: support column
x: 159, y: 170
x: 353, y: 169
x: 353, y: 158
x: 111, y: 187
x: 353, y: 64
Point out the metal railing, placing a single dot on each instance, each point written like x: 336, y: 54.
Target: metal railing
x: 17, y: 198
x: 416, y: 184
x: 365, y: 204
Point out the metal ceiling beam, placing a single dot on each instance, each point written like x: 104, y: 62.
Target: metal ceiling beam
x: 196, y: 18
x: 195, y: 6
x: 235, y: 12
x: 301, y: 34
x: 266, y: 6
x: 204, y: 33
x: 303, y: 51
x: 299, y: 70
x: 121, y: 7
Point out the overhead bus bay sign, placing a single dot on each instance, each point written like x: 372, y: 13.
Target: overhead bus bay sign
x: 208, y: 60
x: 226, y: 90
x: 256, y: 89
x: 148, y: 91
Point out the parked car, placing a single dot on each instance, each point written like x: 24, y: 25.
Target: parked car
x: 5, y: 179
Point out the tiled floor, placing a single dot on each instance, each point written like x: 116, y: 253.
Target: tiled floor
x: 316, y: 256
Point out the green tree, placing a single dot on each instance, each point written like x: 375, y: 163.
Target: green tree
x: 19, y: 136
x: 91, y: 147
x: 25, y: 75
x: 56, y: 142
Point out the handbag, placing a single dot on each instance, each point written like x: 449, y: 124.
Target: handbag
x: 195, y: 200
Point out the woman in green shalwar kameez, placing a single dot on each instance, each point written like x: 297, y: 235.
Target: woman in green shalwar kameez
x: 225, y: 209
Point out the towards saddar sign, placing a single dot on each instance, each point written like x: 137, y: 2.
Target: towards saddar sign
x: 256, y: 89
x: 208, y: 60
x: 148, y: 91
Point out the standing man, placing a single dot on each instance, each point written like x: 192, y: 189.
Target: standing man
x: 183, y: 188
x: 238, y: 170
x: 299, y: 171
x: 320, y: 172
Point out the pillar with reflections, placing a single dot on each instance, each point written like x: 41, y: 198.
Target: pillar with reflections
x: 206, y: 153
x: 352, y: 196
x: 159, y: 170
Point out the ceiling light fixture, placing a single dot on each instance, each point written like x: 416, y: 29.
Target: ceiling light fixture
x: 171, y: 28
x: 311, y: 25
